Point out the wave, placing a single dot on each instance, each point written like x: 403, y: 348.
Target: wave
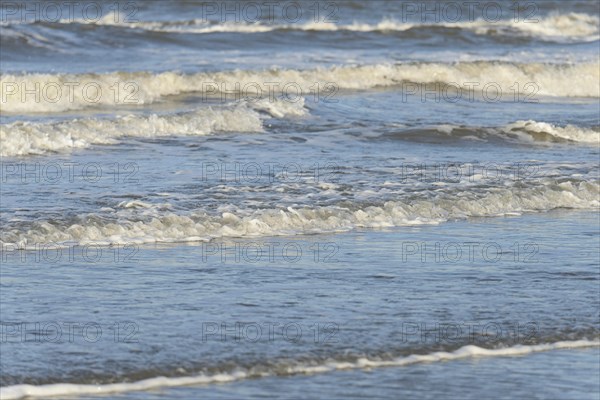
x: 28, y: 138
x: 62, y: 37
x: 62, y: 92
x: 518, y: 132
x: 159, y: 224
x: 542, y: 130
x: 16, y: 39
x: 553, y: 27
x: 304, y: 368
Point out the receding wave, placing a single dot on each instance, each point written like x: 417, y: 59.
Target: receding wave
x: 63, y: 92
x: 27, y: 138
x: 158, y: 224
x: 305, y: 368
x: 518, y: 132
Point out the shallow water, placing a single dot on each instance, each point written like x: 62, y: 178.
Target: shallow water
x: 307, y: 242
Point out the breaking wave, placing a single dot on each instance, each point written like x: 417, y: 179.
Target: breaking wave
x: 159, y: 224
x: 553, y: 27
x: 27, y: 138
x: 93, y: 90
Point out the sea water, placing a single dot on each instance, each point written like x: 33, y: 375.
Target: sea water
x: 345, y: 199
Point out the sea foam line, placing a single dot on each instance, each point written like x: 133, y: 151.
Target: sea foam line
x: 466, y: 352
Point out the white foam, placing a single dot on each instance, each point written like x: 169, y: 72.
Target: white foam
x: 151, y: 225
x: 551, y: 80
x: 26, y: 138
x: 466, y: 352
